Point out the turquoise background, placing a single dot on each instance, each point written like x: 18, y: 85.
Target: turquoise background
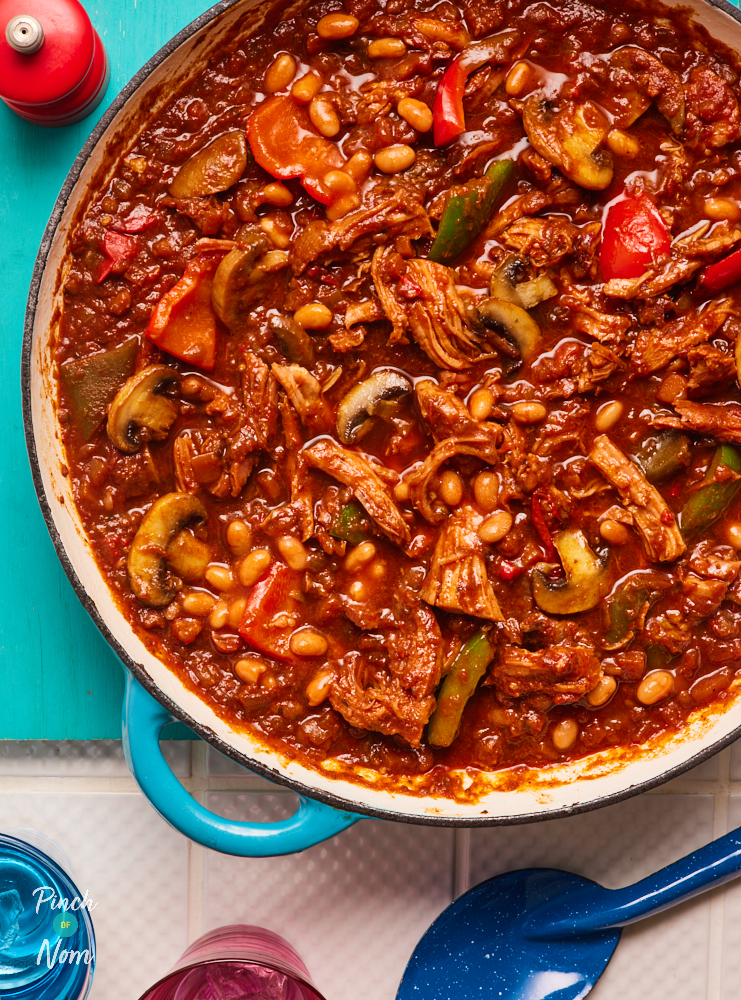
x: 58, y: 677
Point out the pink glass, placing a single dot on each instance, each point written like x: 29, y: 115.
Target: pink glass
x: 238, y: 962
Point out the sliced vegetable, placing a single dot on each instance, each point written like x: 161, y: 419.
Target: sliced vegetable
x: 212, y: 169
x: 634, y: 236
x: 448, y: 116
x: 517, y: 324
x: 371, y: 397
x: 275, y: 609
x: 457, y: 688
x: 140, y: 406
x: 467, y: 211
x: 139, y: 218
x: 120, y: 250
x: 716, y: 492
x: 664, y: 455
x: 626, y: 608
x: 285, y: 143
x: 352, y: 524
x: 147, y: 561
x: 183, y: 322
x: 725, y: 272
x: 586, y: 581
x: 511, y: 281
x: 92, y: 383
x: 571, y: 138
x: 233, y: 290
x: 293, y: 340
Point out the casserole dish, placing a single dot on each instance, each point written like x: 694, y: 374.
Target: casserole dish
x: 556, y: 790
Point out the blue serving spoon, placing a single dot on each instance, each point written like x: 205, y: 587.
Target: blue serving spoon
x: 541, y: 934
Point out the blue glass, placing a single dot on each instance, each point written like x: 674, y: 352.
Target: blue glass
x: 37, y: 961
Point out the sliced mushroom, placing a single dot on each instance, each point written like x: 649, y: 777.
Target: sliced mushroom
x: 212, y: 169
x: 147, y: 558
x: 293, y: 340
x: 587, y: 579
x: 140, y: 412
x: 188, y: 556
x: 570, y: 137
x: 232, y: 290
x: 370, y: 398
x: 637, y: 80
x: 514, y: 322
x: 512, y: 282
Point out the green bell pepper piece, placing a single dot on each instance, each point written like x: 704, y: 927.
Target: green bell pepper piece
x: 92, y: 383
x: 626, y: 609
x: 664, y: 455
x: 712, y: 498
x: 467, y: 212
x: 458, y: 686
x: 351, y: 524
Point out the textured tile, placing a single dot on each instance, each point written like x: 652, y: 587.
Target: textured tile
x: 731, y: 967
x: 736, y: 761
x: 134, y: 866
x: 353, y: 907
x: 101, y: 758
x: 707, y: 771
x: 217, y: 765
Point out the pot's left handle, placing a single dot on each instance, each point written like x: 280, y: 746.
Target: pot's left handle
x: 143, y: 719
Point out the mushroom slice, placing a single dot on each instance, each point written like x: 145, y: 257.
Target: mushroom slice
x: 293, y: 340
x: 147, y: 558
x: 212, y: 169
x: 570, y: 137
x: 511, y: 283
x: 638, y: 79
x: 232, y: 290
x: 370, y: 398
x: 587, y: 579
x: 139, y: 411
x: 516, y: 324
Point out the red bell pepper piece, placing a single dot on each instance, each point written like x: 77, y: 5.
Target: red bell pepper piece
x: 448, y: 116
x: 286, y: 144
x: 274, y: 610
x: 634, y: 236
x: 183, y: 322
x: 120, y: 250
x: 719, y: 276
x: 140, y: 218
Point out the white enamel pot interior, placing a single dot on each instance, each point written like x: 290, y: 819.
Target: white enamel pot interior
x: 501, y: 797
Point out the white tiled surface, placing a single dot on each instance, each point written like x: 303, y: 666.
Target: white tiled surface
x: 355, y: 906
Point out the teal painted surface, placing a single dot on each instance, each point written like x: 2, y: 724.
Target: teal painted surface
x: 58, y: 677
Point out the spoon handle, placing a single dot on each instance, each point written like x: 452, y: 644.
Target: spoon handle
x: 593, y: 908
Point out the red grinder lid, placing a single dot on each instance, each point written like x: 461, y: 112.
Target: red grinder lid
x: 61, y: 62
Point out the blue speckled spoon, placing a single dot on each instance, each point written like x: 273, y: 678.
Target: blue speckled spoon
x: 540, y: 934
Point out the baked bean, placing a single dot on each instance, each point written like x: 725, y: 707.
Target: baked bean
x: 602, y: 692
x: 564, y: 734
x: 656, y: 686
x: 172, y: 610
x: 451, y: 488
x: 519, y: 78
x: 276, y: 230
x: 308, y: 642
x: 733, y: 534
x: 608, y: 415
x: 219, y: 576
x: 614, y: 532
x: 673, y: 386
x: 722, y: 208
x: 186, y: 630
x: 622, y: 144
x: 250, y: 669
x: 357, y: 558
x: 386, y: 48
x: 220, y: 615
x: 339, y: 25
x: 357, y: 590
x: 495, y: 527
x: 340, y: 207
x: 378, y: 569
x: 394, y: 159
x: 280, y: 73
x: 313, y: 316
x: 359, y: 164
x: 416, y: 113
x: 236, y: 611
x: 198, y: 603
x: 401, y: 491
x: 339, y: 182
x: 294, y: 552
x: 323, y: 116
x: 276, y: 194
x: 251, y: 568
x: 191, y: 387
x: 705, y: 689
x: 529, y: 411
x: 486, y: 491
x: 317, y: 690
x: 481, y: 404
x: 239, y: 537
x: 307, y: 87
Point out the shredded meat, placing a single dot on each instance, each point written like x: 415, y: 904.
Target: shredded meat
x: 457, y: 579
x: 298, y: 513
x: 546, y: 241
x: 305, y: 394
x: 711, y: 371
x: 651, y: 515
x: 655, y: 349
x: 719, y: 420
x: 636, y: 80
x: 713, y: 117
x: 565, y: 673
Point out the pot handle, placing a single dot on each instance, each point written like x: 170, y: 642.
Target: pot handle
x: 142, y: 721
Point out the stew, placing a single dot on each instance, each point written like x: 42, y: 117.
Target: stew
x: 398, y: 378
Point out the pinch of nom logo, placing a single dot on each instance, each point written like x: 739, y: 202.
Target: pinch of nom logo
x: 65, y: 925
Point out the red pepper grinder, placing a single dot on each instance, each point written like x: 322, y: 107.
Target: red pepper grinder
x: 53, y: 67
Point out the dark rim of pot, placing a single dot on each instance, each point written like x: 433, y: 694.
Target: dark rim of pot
x: 336, y: 801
